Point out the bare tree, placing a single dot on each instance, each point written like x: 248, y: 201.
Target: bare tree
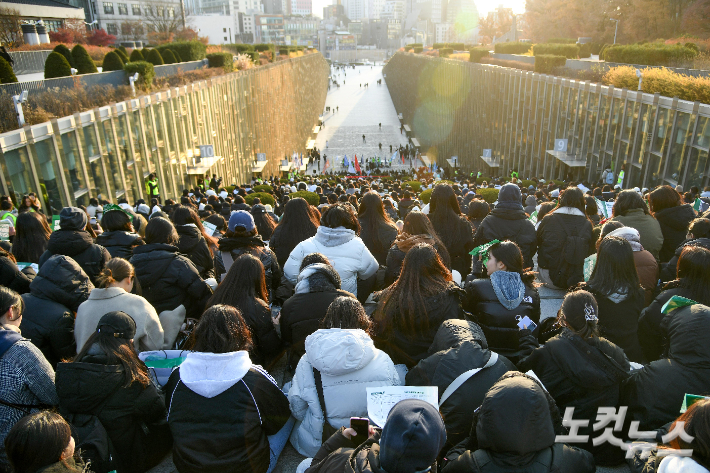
x: 132, y: 30
x: 10, y: 30
x: 163, y: 18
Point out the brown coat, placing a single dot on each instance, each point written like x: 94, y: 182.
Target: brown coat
x: 647, y: 268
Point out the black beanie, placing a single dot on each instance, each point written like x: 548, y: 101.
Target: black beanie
x: 72, y: 218
x: 510, y: 197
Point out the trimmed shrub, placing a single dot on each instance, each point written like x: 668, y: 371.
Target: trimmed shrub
x: 480, y: 180
x: 64, y: 51
x: 122, y: 54
x: 262, y: 47
x: 240, y: 48
x: 178, y: 59
x: 476, y: 54
x: 561, y: 41
x: 417, y: 45
x: 456, y: 46
x: 123, y: 50
x: 154, y: 57
x: 188, y: 50
x: 7, y: 75
x: 311, y: 197
x: 650, y: 54
x: 597, y: 48
x: 264, y: 197
x: 254, y: 56
x: 82, y: 61
x: 56, y: 65
x: 416, y: 185
x: 112, y: 62
x: 661, y: 80
x: 585, y: 50
x: 425, y: 196
x: 445, y: 52
x: 169, y: 57
x: 408, y: 48
x: 512, y: 48
x: 283, y: 51
x: 439, y: 45
x: 146, y: 71
x: 136, y: 56
x: 544, y: 63
x: 225, y: 60
x: 505, y: 63
x: 417, y: 50
x: 527, y: 183
x: 570, y: 51
x: 489, y: 195
x: 263, y: 188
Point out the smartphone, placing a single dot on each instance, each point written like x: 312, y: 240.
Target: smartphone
x: 361, y: 425
x: 526, y: 323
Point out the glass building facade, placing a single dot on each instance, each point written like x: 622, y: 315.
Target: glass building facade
x: 457, y: 108
x: 108, y: 152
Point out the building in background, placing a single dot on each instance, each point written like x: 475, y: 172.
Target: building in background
x: 333, y: 11
x: 218, y: 28
x: 269, y: 29
x: 301, y: 7
x: 444, y: 33
x: 301, y: 31
x: 54, y: 14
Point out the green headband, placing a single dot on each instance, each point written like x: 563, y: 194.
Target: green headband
x: 110, y: 207
x: 483, y: 250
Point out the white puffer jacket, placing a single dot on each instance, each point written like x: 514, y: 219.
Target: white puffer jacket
x: 349, y: 363
x: 345, y: 251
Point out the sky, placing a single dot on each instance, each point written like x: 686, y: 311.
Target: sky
x: 483, y: 6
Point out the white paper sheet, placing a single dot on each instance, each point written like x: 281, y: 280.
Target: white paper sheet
x: 381, y: 400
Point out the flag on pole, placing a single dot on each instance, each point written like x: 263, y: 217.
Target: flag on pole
x: 325, y: 166
x: 357, y: 166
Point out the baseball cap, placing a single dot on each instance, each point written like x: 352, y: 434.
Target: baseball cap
x: 241, y: 218
x: 118, y: 324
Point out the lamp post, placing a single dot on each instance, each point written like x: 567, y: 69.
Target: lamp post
x: 616, y: 28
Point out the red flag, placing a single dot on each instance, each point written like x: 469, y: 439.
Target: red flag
x: 402, y: 154
x: 357, y: 166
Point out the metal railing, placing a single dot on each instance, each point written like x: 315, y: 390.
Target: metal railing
x: 29, y: 62
x: 459, y: 109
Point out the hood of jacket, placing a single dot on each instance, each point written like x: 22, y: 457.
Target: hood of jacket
x: 676, y: 217
x: 688, y: 331
x: 530, y: 201
x: 335, y: 351
x: 629, y: 234
x: 317, y: 277
x: 509, y: 214
x: 62, y: 280
x: 210, y: 374
x: 330, y: 237
x: 509, y: 288
x: 232, y: 243
x: 514, y: 419
x: 704, y: 242
x: 83, y: 387
x: 69, y: 242
x: 189, y: 235
x: 455, y: 332
x: 152, y: 260
x: 118, y: 238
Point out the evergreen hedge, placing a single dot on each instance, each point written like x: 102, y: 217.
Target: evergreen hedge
x: 263, y: 188
x: 154, y: 58
x: 489, y: 195
x: 570, y: 51
x: 661, y: 80
x: 240, y: 48
x: 476, y: 54
x: 122, y: 54
x: 64, y: 51
x: 545, y: 63
x: 177, y: 56
x: 146, y: 71
x: 169, y: 57
x: 650, y: 54
x: 311, y: 197
x: 112, y: 62
x: 82, y: 61
x: 425, y: 196
x: 225, y: 60
x: 56, y: 65
x: 254, y: 56
x: 512, y: 48
x: 416, y: 185
x: 264, y: 47
x: 7, y: 75
x: 136, y: 56
x: 417, y: 50
x: 445, y: 52
x: 188, y: 50
x: 264, y: 197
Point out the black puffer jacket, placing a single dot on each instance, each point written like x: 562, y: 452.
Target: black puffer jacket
x: 280, y: 248
x: 193, y: 245
x: 55, y: 295
x: 580, y: 373
x: 385, y: 235
x: 404, y: 206
x: 169, y: 279
x: 266, y: 341
x: 498, y: 323
x: 255, y: 246
x: 395, y: 255
x: 458, y: 241
x: 618, y: 321
x: 120, y: 244
x: 409, y: 347
x: 564, y: 239
x: 668, y: 270
x: 508, y: 224
x: 12, y: 278
x: 458, y: 346
x: 674, y: 223
x: 78, y: 245
x: 134, y: 416
x: 515, y: 433
x: 655, y: 392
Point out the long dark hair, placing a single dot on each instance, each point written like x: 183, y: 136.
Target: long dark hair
x: 423, y: 275
x: 244, y: 284
x: 265, y: 225
x: 693, y: 274
x: 184, y: 215
x: 508, y: 253
x: 346, y: 313
x: 116, y: 220
x: 572, y: 197
x: 341, y: 215
x: 417, y: 223
x: 119, y: 351
x: 298, y: 223
x: 615, y: 270
x: 221, y: 329
x: 161, y: 230
x: 628, y: 200
x: 371, y: 215
x: 36, y: 441
x: 445, y: 215
x: 32, y: 234
x: 663, y: 197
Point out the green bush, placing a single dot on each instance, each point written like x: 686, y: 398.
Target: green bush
x: 123, y: 50
x: 146, y: 71
x: 283, y: 51
x: 417, y: 45
x: 225, y: 60
x: 479, y: 180
x: 544, y: 63
x: 56, y: 65
x: 561, y: 41
x: 254, y: 56
x: 169, y: 57
x: 136, y: 56
x: 660, y: 80
x: 188, y: 50
x: 122, y: 54
x: 82, y: 61
x: 263, y: 188
x: 570, y: 51
x: 527, y: 183
x: 264, y: 47
x: 112, y: 62
x: 178, y: 59
x: 439, y: 45
x: 264, y: 197
x: 597, y: 48
x: 445, y: 52
x: 408, y: 48
x: 425, y: 196
x: 489, y: 195
x: 512, y: 48
x: 416, y: 185
x: 650, y: 54
x: 311, y: 197
x: 476, y: 54
x: 457, y: 46
x: 240, y: 48
x: 585, y: 50
x: 64, y: 51
x: 154, y: 57
x: 7, y: 75
x: 417, y: 50
x: 692, y: 46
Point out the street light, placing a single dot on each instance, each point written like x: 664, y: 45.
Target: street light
x: 616, y: 28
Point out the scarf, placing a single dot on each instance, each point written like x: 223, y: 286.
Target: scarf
x: 509, y: 288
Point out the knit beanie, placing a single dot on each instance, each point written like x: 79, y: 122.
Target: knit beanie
x: 72, y: 218
x: 510, y: 197
x: 412, y: 437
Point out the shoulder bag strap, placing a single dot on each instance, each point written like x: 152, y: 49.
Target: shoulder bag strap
x: 465, y: 376
x: 227, y: 261
x: 321, y: 397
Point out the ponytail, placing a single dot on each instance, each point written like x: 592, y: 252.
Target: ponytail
x: 117, y: 269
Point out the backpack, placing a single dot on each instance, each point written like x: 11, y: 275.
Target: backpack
x: 573, y: 253
x: 608, y: 177
x: 93, y: 441
x: 546, y: 461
